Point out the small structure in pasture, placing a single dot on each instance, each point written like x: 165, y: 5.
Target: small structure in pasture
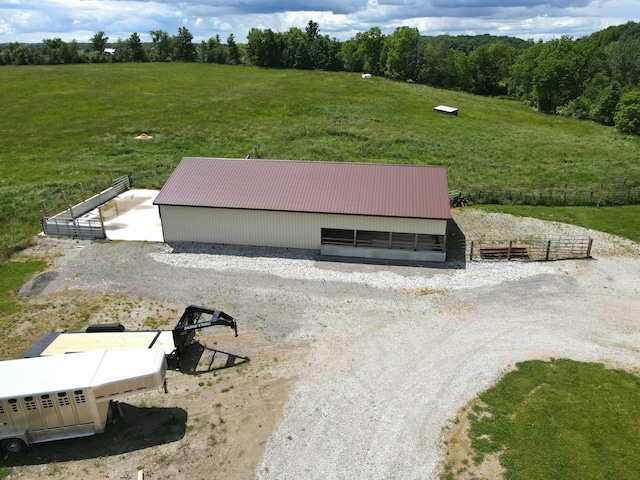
x: 366, y: 75
x: 447, y: 110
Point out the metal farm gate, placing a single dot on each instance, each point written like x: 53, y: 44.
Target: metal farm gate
x: 559, y: 247
x: 70, y: 223
x: 550, y: 247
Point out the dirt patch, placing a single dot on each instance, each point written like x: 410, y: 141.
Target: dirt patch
x: 221, y: 405
x: 460, y: 462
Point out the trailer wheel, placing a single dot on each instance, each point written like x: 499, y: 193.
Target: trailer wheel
x: 14, y: 446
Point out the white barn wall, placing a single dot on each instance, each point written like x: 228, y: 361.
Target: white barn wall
x: 276, y: 229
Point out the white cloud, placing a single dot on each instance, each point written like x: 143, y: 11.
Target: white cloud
x: 32, y: 20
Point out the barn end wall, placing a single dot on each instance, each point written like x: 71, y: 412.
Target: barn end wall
x: 276, y: 229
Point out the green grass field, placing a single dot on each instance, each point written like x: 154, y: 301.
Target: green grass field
x: 622, y: 221
x: 64, y: 126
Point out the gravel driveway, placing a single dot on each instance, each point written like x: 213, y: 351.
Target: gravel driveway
x: 394, y: 352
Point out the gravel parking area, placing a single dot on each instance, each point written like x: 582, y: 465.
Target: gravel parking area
x: 391, y: 353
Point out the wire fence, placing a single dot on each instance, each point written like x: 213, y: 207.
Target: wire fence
x: 602, y: 194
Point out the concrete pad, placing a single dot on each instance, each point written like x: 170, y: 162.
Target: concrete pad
x: 133, y: 216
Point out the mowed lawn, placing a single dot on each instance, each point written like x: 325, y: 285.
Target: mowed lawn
x: 66, y: 127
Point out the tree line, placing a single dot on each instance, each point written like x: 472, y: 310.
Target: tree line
x: 162, y: 48
x: 592, y: 78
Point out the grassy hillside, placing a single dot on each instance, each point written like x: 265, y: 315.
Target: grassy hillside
x: 63, y: 126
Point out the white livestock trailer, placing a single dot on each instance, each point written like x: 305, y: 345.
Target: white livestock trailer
x: 67, y: 396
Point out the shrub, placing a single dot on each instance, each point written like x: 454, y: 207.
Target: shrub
x: 627, y: 116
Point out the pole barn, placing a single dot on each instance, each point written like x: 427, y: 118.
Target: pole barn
x: 365, y: 210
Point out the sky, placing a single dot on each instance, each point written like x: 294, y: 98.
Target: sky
x: 32, y: 21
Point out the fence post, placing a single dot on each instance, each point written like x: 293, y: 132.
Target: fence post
x: 589, y: 247
x: 471, y: 252
x: 548, y: 249
x: 73, y: 217
x: 44, y: 209
x: 509, y: 251
x: 104, y: 233
x: 84, y: 199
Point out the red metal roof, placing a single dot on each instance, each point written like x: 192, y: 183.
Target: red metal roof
x: 414, y: 191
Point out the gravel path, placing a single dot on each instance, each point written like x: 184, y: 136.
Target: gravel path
x: 394, y: 352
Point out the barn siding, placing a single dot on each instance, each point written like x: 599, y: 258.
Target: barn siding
x: 275, y: 229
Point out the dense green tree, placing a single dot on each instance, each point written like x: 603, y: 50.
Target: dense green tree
x: 16, y: 54
x: 324, y: 52
x: 183, y: 44
x: 206, y: 51
x: 265, y: 48
x: 351, y: 57
x: 233, y: 50
x: 627, y: 116
x: 296, y: 52
x: 522, y: 71
x: 123, y: 51
x: 98, y: 42
x: 598, y: 101
x: 218, y: 51
x: 57, y: 51
x: 161, y: 49
x: 441, y: 64
x: 404, y: 53
x: 312, y: 30
x: 563, y: 68
x: 625, y: 61
x: 256, y: 48
x: 369, y: 49
x: 137, y: 50
x: 54, y: 49
x: 603, y: 108
x: 491, y: 64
